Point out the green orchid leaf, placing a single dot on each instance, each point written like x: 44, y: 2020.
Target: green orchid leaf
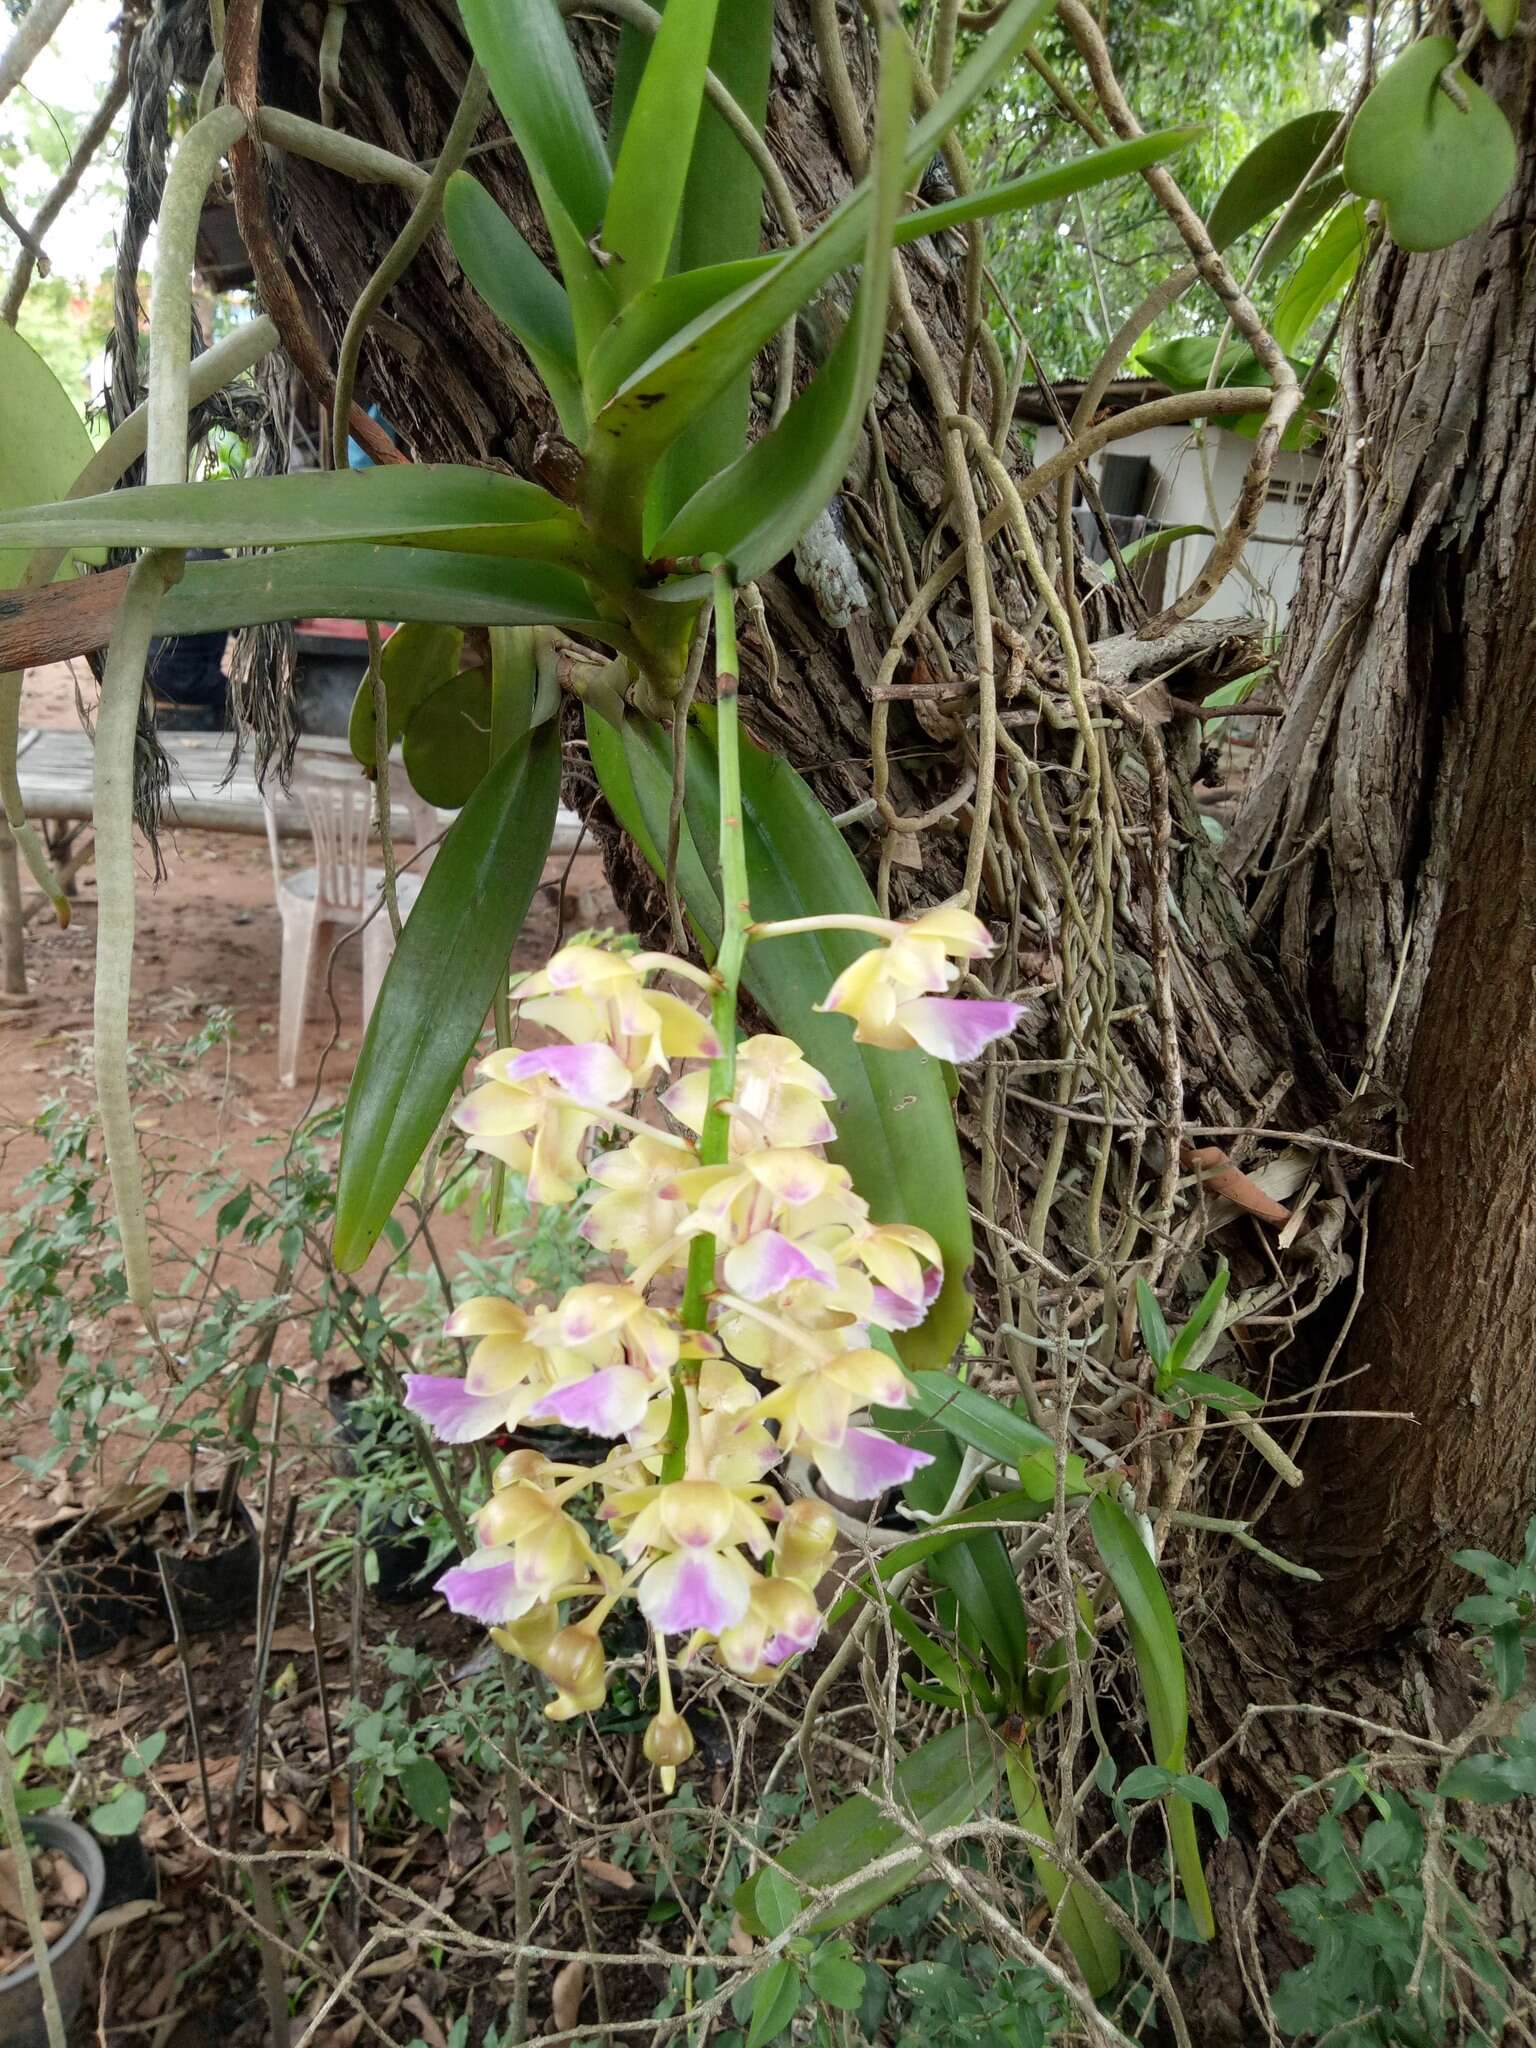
x: 1269, y: 175
x: 698, y: 360
x: 1155, y: 1333
x: 1010, y: 1509
x: 1213, y: 1391
x: 987, y: 1425
x: 519, y: 291
x: 1185, y: 365
x: 1038, y: 188
x: 648, y: 322
x: 755, y: 511
x: 447, y: 505
x: 1314, y: 205
x: 634, y: 768
x: 1501, y: 16
x: 1094, y: 1944
x: 1154, y: 544
x: 1322, y: 276
x: 651, y: 173
x: 1181, y: 1354
x: 938, y: 1785
x: 417, y: 659
x: 895, y: 1126
x: 722, y: 220
x: 376, y: 583
x: 43, y: 444
x: 528, y: 58
x: 449, y: 962
x: 1159, y: 1658
x: 984, y: 1607
x: 1438, y: 169
x: 448, y: 740
x: 931, y: 1655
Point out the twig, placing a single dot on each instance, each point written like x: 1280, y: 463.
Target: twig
x: 319, y: 1650
x: 179, y: 1638
x: 273, y: 1982
x: 250, y: 1748
x: 36, y: 31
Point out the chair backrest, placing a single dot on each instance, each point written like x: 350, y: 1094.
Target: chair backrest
x: 338, y: 802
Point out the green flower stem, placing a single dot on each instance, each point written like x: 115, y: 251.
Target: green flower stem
x: 715, y: 1138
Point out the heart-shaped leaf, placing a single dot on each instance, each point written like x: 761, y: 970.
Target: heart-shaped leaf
x: 1439, y: 169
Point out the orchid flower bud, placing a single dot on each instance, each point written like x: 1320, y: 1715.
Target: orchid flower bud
x: 668, y: 1741
x: 574, y: 1660
x: 806, y: 1535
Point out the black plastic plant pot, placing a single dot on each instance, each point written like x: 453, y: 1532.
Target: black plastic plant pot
x: 401, y: 1554
x: 217, y: 1586
x: 98, y: 1588
x: 93, y: 1593
x: 130, y: 1871
x: 22, y: 2024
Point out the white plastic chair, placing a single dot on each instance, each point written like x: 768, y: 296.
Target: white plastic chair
x: 334, y: 896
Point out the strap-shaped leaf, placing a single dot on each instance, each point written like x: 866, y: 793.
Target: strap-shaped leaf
x: 1094, y: 1943
x: 987, y: 1425
x: 896, y: 1127
x: 519, y: 291
x: 697, y: 361
x: 451, y: 958
x: 528, y: 58
x: 471, y: 511
x: 376, y: 583
x: 1159, y: 1658
x: 650, y: 321
x: 938, y: 1786
x: 646, y: 196
x: 1321, y: 276
x: 722, y: 220
x: 1268, y: 175
x: 984, y: 1605
x: 755, y: 511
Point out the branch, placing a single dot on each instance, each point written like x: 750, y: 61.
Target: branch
x: 94, y: 136
x: 29, y: 40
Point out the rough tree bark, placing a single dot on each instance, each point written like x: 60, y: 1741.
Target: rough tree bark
x: 1406, y: 768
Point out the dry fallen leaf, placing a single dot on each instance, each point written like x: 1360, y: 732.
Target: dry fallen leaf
x: 431, y: 2032
x: 1220, y: 1177
x: 566, y: 1994
x: 610, y: 1874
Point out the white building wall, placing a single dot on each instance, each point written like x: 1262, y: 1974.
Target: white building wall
x: 1266, y: 580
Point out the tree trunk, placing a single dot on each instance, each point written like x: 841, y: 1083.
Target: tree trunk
x: 1409, y: 758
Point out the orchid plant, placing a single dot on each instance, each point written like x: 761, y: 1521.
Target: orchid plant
x: 755, y: 1286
